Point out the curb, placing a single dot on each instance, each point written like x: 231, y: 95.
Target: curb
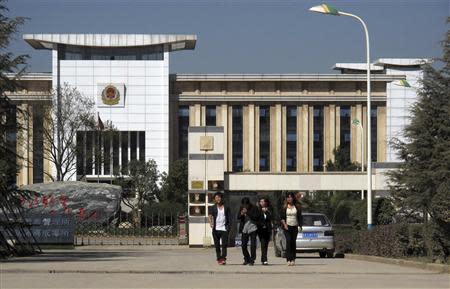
x: 440, y: 268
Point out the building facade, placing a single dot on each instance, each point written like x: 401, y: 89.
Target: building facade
x: 272, y: 123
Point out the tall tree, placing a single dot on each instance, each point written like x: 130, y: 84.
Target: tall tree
x: 174, y: 186
x: 9, y: 65
x: 13, y: 232
x: 77, y: 113
x: 422, y: 183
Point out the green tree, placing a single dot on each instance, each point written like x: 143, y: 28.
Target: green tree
x: 13, y: 232
x: 174, y: 186
x: 342, y: 162
x: 422, y: 183
x: 143, y: 184
x: 9, y: 65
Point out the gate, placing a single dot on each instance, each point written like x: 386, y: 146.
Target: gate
x: 154, y: 229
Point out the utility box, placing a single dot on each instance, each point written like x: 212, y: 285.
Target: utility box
x: 205, y: 177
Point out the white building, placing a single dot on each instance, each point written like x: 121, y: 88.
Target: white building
x: 133, y: 66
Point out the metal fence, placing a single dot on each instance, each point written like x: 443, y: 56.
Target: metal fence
x: 154, y: 229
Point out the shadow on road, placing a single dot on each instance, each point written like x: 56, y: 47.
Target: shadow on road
x: 77, y: 257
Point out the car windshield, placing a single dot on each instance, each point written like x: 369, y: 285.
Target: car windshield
x: 315, y: 220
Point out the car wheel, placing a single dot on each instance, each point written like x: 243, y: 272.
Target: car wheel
x: 322, y: 254
x: 330, y: 254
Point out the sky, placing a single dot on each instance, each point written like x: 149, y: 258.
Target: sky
x: 247, y: 36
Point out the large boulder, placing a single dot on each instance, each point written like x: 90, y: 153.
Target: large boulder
x: 87, y: 202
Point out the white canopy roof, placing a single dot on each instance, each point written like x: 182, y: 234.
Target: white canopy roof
x: 50, y: 41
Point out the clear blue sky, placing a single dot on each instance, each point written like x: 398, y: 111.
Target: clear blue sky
x: 247, y: 36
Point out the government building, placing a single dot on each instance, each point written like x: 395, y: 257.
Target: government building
x: 240, y: 132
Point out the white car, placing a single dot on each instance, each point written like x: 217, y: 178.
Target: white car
x: 317, y: 236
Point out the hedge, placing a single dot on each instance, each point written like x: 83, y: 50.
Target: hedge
x: 394, y: 241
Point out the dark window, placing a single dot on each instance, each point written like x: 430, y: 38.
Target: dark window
x: 237, y: 147
x: 115, y: 152
x: 107, y: 153
x: 124, y: 152
x: 264, y: 138
x: 38, y: 144
x: 97, y: 152
x: 373, y: 131
x: 318, y: 139
x: 80, y: 153
x: 69, y: 52
x: 210, y: 115
x: 89, y: 152
x: 345, y: 121
x: 142, y: 146
x: 183, y: 125
x: 291, y: 138
x: 133, y: 145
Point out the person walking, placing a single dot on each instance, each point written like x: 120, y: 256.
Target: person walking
x: 291, y: 220
x: 264, y: 227
x: 219, y: 220
x: 248, y: 217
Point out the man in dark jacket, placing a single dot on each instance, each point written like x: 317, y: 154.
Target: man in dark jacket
x: 219, y: 220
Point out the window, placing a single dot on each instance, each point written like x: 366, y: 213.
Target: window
x: 142, y: 146
x: 69, y: 52
x: 291, y: 138
x: 264, y: 138
x: 89, y: 152
x: 107, y: 153
x: 318, y: 139
x: 345, y: 130
x: 38, y: 144
x: 115, y: 152
x: 373, y: 131
x: 133, y: 145
x: 210, y: 115
x: 183, y: 125
x: 124, y: 150
x: 111, y: 150
x: 237, y: 146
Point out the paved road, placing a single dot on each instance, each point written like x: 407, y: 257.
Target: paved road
x: 181, y: 267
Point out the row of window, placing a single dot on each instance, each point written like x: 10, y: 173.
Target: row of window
x: 109, y: 152
x: 291, y: 135
x: 68, y: 52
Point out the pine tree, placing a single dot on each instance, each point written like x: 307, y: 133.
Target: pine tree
x: 422, y: 183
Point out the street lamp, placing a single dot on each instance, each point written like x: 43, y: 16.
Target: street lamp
x: 327, y: 9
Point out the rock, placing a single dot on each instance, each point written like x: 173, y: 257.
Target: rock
x: 88, y: 202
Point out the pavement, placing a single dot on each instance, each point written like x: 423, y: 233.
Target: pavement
x: 183, y: 267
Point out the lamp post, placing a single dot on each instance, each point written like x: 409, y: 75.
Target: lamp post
x: 327, y: 9
x: 358, y: 124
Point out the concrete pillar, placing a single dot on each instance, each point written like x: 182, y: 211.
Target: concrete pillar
x: 303, y: 138
x: 230, y: 137
x: 275, y: 138
x: 256, y: 153
x: 283, y: 138
x: 381, y: 134
x: 251, y: 137
x: 311, y: 139
x: 245, y: 138
x: 203, y: 115
x: 24, y: 145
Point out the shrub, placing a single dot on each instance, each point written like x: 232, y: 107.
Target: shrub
x: 394, y: 241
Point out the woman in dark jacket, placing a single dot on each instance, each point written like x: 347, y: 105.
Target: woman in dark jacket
x: 264, y: 227
x: 248, y: 217
x: 291, y: 220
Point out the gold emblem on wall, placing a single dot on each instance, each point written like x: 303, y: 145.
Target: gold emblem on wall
x: 110, y: 95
